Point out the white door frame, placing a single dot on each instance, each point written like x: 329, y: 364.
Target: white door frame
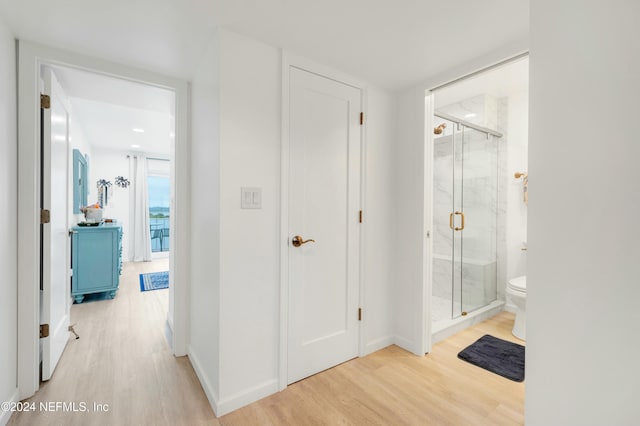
x: 289, y: 60
x: 426, y: 108
x: 30, y: 58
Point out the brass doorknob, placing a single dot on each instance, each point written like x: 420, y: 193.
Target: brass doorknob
x: 297, y: 241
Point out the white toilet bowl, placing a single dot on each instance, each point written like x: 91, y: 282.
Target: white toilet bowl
x: 517, y: 293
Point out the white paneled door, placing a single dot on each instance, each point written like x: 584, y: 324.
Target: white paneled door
x: 324, y: 204
x: 55, y: 288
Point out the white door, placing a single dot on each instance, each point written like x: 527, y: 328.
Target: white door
x: 324, y: 203
x: 55, y: 285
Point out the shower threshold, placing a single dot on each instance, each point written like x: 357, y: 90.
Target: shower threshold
x: 444, y: 328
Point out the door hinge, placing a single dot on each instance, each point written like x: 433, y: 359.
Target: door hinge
x: 44, y: 330
x: 45, y: 216
x: 360, y: 216
x: 359, y: 314
x: 361, y: 118
x: 45, y: 101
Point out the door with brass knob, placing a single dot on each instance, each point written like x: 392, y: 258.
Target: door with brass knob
x: 297, y: 241
x: 323, y: 223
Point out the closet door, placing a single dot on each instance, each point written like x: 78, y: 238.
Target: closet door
x: 324, y: 228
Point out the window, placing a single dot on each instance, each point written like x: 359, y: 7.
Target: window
x: 159, y: 191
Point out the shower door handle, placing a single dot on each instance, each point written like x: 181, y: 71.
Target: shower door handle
x: 451, y: 220
x: 461, y: 227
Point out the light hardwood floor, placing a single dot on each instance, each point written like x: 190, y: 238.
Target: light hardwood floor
x: 123, y: 359
x: 394, y: 387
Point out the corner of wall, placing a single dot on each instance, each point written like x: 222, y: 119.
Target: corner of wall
x: 247, y: 396
x: 209, y: 389
x: 8, y: 220
x: 204, y: 234
x: 378, y: 344
x: 5, y: 416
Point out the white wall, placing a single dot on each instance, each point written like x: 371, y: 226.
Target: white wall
x: 204, y: 347
x: 8, y: 219
x: 409, y: 226
x: 583, y: 320
x: 517, y: 161
x: 378, y: 223
x: 107, y: 164
x: 237, y: 142
x: 250, y: 248
x: 78, y: 140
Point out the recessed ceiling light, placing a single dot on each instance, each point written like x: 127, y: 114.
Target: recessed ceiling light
x: 135, y: 146
x: 138, y: 130
x: 470, y: 115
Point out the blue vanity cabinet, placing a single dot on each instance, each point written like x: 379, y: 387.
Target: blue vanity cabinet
x: 96, y: 260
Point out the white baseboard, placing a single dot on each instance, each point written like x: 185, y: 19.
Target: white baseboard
x: 6, y: 415
x: 406, y: 344
x: 247, y: 396
x: 168, y: 331
x: 510, y: 308
x: 212, y: 396
x: 378, y: 344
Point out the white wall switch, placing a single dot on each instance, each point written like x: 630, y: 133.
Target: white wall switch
x: 251, y: 198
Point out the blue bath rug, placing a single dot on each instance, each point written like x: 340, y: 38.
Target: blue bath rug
x: 496, y: 355
x: 154, y: 281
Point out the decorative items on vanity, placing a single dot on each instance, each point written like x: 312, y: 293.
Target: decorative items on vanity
x: 96, y: 259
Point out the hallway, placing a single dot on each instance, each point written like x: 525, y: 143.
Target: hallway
x: 122, y: 359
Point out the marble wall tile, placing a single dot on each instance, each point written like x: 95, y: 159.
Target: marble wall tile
x: 495, y: 216
x: 476, y: 162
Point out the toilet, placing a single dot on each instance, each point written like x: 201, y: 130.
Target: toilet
x: 517, y: 293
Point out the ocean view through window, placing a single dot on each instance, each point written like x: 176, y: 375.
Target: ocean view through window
x: 159, y: 196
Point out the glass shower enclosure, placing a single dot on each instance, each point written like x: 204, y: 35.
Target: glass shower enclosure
x: 465, y: 200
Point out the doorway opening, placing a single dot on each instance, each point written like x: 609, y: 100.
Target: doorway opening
x: 107, y: 180
x: 118, y: 203
x: 478, y: 154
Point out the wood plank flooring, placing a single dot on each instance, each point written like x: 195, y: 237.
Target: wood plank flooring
x: 122, y: 359
x: 394, y: 387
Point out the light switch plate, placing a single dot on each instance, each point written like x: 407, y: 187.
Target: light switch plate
x: 250, y: 198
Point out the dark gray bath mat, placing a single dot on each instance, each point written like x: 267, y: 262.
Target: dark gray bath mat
x: 496, y: 355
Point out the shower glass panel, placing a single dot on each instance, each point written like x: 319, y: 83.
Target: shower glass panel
x: 442, y: 305
x: 465, y: 221
x: 456, y: 217
x: 478, y: 200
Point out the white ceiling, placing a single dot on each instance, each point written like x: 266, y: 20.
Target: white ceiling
x: 388, y: 43
x: 506, y: 80
x: 108, y: 109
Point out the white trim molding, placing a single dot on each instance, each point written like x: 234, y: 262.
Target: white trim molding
x: 247, y: 396
x: 5, y: 416
x: 378, y: 344
x: 208, y: 388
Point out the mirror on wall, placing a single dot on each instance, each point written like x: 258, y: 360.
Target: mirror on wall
x: 80, y: 184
